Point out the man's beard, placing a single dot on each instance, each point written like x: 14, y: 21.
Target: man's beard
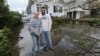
x: 43, y: 13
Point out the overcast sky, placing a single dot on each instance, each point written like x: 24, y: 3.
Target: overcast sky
x: 17, y: 5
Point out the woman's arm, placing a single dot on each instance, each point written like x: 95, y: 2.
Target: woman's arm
x: 40, y: 28
x: 31, y: 28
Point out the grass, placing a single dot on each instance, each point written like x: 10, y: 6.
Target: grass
x: 91, y: 19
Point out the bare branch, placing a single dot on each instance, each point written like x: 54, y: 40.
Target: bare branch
x: 80, y: 6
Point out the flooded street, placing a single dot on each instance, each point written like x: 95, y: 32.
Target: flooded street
x: 66, y: 42
x: 49, y: 27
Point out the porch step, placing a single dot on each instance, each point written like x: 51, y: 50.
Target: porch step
x: 97, y: 47
x: 96, y: 50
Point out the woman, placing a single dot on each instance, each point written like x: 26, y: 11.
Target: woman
x: 35, y: 31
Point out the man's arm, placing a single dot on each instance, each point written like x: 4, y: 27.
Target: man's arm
x: 49, y: 22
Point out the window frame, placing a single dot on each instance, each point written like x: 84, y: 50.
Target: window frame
x: 38, y: 6
x: 57, y: 9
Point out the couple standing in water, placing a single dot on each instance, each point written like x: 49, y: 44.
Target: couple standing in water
x: 40, y: 27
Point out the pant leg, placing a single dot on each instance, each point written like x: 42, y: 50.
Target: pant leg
x: 38, y: 43
x: 34, y: 48
x: 41, y: 40
x: 47, y: 37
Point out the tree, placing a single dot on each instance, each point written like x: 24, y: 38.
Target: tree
x: 14, y: 19
x: 8, y: 21
x: 98, y: 4
x: 4, y: 12
x: 8, y: 18
x: 93, y: 6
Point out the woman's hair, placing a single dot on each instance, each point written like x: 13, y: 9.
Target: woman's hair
x: 36, y: 15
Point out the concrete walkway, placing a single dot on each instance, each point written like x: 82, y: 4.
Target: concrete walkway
x: 25, y: 44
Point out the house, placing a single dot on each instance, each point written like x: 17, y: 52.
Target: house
x: 72, y: 9
x: 53, y: 8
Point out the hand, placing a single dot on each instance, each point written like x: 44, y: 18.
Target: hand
x: 39, y: 32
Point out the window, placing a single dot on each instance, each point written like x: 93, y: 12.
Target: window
x: 58, y: 9
x: 38, y: 7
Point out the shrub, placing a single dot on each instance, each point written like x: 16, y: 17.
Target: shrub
x: 4, y: 42
x: 14, y: 19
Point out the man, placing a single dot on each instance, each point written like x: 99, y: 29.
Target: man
x: 46, y: 28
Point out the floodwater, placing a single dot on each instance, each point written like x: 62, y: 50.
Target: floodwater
x: 63, y: 47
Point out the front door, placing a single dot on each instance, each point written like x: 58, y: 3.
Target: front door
x: 74, y: 15
x: 69, y: 15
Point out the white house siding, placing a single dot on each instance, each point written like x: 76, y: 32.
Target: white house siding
x: 56, y: 13
x: 33, y: 9
x: 50, y: 8
x: 87, y: 12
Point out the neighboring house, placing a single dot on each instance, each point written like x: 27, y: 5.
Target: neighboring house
x: 53, y: 8
x: 80, y: 8
x: 73, y: 9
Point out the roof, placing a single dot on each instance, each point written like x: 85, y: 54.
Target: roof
x: 75, y: 9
